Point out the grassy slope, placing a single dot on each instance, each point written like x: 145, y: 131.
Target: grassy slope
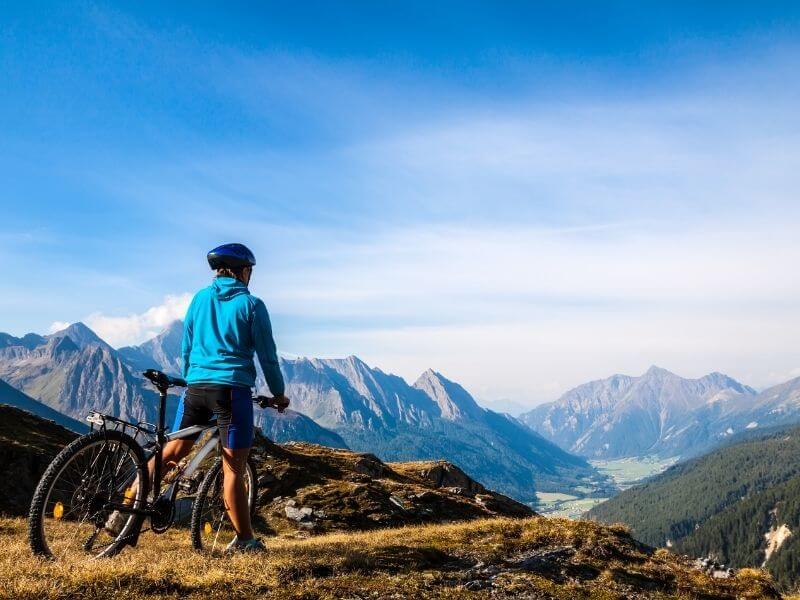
x: 433, y: 561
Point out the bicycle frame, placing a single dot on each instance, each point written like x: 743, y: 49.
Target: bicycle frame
x: 156, y: 450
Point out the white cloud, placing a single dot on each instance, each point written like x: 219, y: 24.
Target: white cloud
x: 136, y: 328
x: 58, y: 326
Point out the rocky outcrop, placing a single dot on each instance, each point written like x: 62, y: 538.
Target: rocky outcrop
x: 310, y: 488
x: 444, y: 474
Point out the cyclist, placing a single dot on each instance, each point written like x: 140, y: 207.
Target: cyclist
x: 224, y: 326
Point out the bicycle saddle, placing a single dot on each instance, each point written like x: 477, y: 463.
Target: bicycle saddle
x: 162, y: 380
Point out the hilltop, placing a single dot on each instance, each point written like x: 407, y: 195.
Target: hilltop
x: 317, y: 489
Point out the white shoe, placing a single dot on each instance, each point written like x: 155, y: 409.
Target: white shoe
x: 116, y: 523
x: 253, y: 546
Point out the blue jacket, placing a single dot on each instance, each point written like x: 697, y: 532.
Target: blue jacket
x: 224, y: 326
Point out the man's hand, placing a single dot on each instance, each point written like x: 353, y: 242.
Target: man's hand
x: 280, y: 403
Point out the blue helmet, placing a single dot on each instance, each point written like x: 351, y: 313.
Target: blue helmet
x: 232, y: 256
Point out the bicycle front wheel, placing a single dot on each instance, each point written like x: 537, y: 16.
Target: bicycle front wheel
x: 72, y: 511
x: 211, y: 527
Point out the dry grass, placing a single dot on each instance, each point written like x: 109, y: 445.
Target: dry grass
x: 432, y: 561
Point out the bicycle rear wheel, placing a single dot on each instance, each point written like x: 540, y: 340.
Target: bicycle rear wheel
x: 212, y: 530
x: 69, y: 515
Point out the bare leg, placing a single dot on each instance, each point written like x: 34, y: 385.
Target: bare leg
x: 174, y: 451
x: 234, y: 467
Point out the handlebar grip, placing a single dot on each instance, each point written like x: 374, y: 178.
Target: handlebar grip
x: 269, y: 402
x: 263, y: 401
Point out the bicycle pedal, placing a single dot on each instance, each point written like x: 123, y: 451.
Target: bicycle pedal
x: 187, y: 485
x: 191, y: 483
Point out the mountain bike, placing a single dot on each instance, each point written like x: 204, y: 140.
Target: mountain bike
x: 103, y: 476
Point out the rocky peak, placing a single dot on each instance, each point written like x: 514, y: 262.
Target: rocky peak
x: 162, y: 352
x: 80, y: 334
x: 657, y: 412
x: 720, y: 380
x: 173, y: 329
x: 657, y: 372
x: 454, y: 402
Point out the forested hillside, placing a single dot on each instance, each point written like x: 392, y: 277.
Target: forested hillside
x: 739, y: 504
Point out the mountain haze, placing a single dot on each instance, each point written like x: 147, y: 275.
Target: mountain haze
x: 292, y: 426
x: 162, y: 352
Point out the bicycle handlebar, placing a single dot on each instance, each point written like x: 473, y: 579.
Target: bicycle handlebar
x: 269, y: 402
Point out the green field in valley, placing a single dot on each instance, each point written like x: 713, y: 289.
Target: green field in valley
x: 625, y: 472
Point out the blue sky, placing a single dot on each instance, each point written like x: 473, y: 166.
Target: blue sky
x: 522, y: 196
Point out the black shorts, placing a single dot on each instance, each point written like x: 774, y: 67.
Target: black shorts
x: 231, y: 405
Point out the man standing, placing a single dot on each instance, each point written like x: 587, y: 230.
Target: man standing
x: 224, y: 326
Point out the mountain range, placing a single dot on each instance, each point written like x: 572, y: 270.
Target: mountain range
x: 660, y: 413
x: 73, y: 371
x: 335, y: 402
